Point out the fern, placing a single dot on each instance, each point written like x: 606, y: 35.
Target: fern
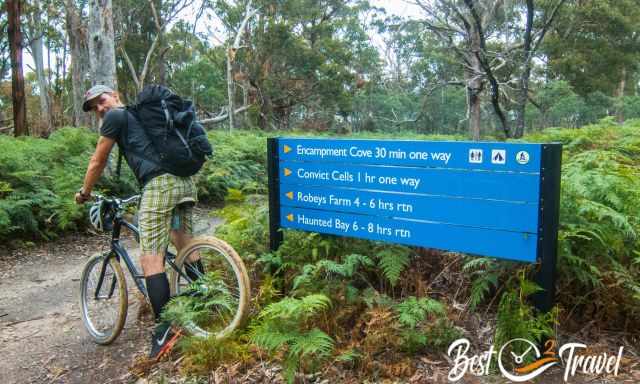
x: 412, y: 310
x: 282, y: 327
x: 350, y: 356
x: 416, y: 332
x: 329, y: 268
x: 213, y: 297
x: 315, y: 342
x: 485, y: 274
x: 393, y: 260
x: 517, y: 319
x: 373, y: 298
x: 294, y: 309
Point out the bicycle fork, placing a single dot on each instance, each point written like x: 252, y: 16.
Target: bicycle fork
x: 103, y: 270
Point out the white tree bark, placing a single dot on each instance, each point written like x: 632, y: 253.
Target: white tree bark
x: 102, y: 54
x: 46, y: 124
x: 223, y: 116
x: 77, y: 32
x: 231, y: 54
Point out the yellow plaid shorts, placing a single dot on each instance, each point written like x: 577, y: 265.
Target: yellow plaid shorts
x: 160, y: 197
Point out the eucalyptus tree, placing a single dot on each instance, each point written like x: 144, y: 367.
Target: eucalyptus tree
x: 595, y: 47
x: 424, y: 90
x: 196, y: 69
x: 301, y: 58
x: 495, y: 42
x: 464, y: 27
x: 77, y: 31
x: 102, y: 55
x: 141, y: 37
x: 37, y: 31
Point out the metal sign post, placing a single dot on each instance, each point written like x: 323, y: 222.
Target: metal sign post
x: 275, y: 234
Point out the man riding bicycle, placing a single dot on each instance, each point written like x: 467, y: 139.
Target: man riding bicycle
x: 165, y: 198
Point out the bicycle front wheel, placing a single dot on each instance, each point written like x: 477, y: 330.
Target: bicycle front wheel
x: 103, y: 298
x: 214, y: 293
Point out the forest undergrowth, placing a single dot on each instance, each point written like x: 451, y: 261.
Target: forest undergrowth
x: 344, y: 306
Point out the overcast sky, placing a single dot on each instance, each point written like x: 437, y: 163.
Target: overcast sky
x: 398, y: 7
x: 393, y: 7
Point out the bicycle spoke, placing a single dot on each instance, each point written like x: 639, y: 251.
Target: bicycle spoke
x: 217, y: 297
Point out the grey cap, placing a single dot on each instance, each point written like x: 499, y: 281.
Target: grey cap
x: 92, y: 93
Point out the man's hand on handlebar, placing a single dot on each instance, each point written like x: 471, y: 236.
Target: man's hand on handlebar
x: 82, y: 197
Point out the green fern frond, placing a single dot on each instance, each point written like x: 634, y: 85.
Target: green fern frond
x: 393, y: 260
x: 346, y: 269
x: 349, y: 356
x: 271, y: 338
x: 315, y: 342
x: 412, y: 311
x: 296, y: 309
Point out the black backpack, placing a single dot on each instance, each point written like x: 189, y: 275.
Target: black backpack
x: 170, y: 123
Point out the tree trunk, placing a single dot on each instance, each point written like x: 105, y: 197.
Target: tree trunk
x: 64, y: 69
x: 523, y: 95
x: 230, y: 90
x: 231, y: 52
x: 102, y: 54
x: 14, y: 10
x: 45, y: 127
x: 162, y: 48
x: 475, y: 86
x: 77, y: 32
x: 474, y: 113
x: 265, y: 113
x: 620, y: 95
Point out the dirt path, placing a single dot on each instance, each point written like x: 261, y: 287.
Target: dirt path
x: 42, y: 338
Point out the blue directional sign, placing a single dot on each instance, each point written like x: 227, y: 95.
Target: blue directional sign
x: 493, y: 214
x: 510, y: 186
x: 478, y: 198
x: 433, y: 154
x: 501, y: 244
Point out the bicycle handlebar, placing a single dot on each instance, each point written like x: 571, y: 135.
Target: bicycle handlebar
x: 119, y: 202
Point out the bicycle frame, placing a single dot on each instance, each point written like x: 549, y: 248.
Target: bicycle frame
x: 120, y: 253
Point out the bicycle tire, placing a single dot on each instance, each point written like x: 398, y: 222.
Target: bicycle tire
x: 117, y: 298
x: 221, y: 263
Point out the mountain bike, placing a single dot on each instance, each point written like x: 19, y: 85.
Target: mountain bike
x: 216, y: 299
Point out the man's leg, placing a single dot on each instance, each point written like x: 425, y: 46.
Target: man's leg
x: 181, y: 234
x: 157, y: 282
x: 154, y: 222
x: 158, y: 201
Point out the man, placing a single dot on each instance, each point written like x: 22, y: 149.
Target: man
x: 164, y: 197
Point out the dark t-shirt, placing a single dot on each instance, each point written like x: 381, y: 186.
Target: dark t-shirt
x: 138, y: 149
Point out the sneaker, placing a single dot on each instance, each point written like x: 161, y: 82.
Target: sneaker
x: 162, y: 340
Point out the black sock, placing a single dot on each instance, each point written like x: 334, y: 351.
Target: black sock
x: 189, y: 269
x: 158, y: 289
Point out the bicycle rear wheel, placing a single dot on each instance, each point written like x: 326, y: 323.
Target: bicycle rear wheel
x: 216, y: 302
x: 104, y: 311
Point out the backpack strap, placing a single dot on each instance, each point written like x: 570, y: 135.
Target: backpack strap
x: 167, y: 117
x: 121, y: 145
x: 170, y: 127
x: 119, y: 164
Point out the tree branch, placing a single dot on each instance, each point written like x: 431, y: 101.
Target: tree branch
x: 131, y: 68
x: 225, y: 116
x: 495, y: 88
